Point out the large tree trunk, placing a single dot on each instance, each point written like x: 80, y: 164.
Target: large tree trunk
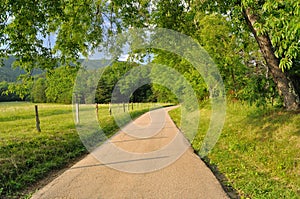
x: 284, y: 84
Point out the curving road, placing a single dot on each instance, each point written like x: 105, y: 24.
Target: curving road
x: 148, y: 158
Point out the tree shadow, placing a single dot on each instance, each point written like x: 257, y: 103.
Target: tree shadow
x: 138, y: 139
x: 119, y: 162
x: 271, y: 121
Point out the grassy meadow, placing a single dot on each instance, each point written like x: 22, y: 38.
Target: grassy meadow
x: 258, y: 151
x: 27, y: 156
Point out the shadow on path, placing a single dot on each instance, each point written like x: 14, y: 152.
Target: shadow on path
x: 119, y: 162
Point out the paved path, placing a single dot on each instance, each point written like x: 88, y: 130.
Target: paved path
x: 151, y: 160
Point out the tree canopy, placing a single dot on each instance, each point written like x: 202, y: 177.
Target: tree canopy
x: 255, y: 43
x: 275, y: 26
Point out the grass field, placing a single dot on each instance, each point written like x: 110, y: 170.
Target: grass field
x: 258, y: 151
x: 27, y: 155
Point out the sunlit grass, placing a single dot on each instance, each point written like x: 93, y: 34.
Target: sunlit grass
x: 258, y: 150
x: 27, y: 155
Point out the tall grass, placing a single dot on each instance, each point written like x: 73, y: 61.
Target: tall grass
x: 258, y: 150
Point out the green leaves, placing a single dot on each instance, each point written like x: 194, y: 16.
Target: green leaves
x: 38, y: 91
x: 282, y: 19
x: 60, y: 84
x: 27, y: 24
x: 278, y: 19
x: 286, y: 63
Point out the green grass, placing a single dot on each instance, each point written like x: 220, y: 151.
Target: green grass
x: 258, y: 151
x: 27, y: 156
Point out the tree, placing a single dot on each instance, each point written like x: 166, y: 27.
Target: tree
x: 60, y: 83
x: 38, y: 93
x: 80, y: 26
x: 144, y: 94
x: 4, y: 96
x: 21, y: 88
x: 238, y: 58
x: 26, y: 25
x: 275, y: 26
x: 109, y: 79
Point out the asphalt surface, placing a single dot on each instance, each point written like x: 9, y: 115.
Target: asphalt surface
x: 148, y: 158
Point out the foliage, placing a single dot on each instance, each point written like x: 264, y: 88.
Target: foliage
x: 25, y: 25
x: 237, y: 56
x: 60, y: 84
x: 56, y: 86
x: 7, y: 72
x: 21, y: 88
x: 257, y: 152
x: 7, y: 97
x: 38, y: 93
x: 108, y: 80
x: 220, y: 27
x: 215, y: 35
x: 275, y: 26
x: 145, y: 94
x: 122, y: 79
x: 279, y: 19
x: 188, y: 72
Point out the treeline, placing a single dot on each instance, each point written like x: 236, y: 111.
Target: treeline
x: 53, y: 86
x: 5, y: 96
x: 254, y: 43
x: 247, y: 73
x: 120, y: 82
x: 249, y: 84
x: 57, y: 86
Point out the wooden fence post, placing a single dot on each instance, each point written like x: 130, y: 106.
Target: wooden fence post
x: 97, y: 110
x: 37, y: 119
x: 109, y: 108
x: 124, y: 107
x: 77, y: 112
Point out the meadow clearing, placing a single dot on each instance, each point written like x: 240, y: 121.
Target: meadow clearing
x: 257, y: 154
x: 27, y: 155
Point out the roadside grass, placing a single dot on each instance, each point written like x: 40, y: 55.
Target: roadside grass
x: 258, y: 151
x: 27, y: 156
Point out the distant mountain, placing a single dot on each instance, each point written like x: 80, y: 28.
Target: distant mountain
x: 8, y: 73
x: 95, y: 64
